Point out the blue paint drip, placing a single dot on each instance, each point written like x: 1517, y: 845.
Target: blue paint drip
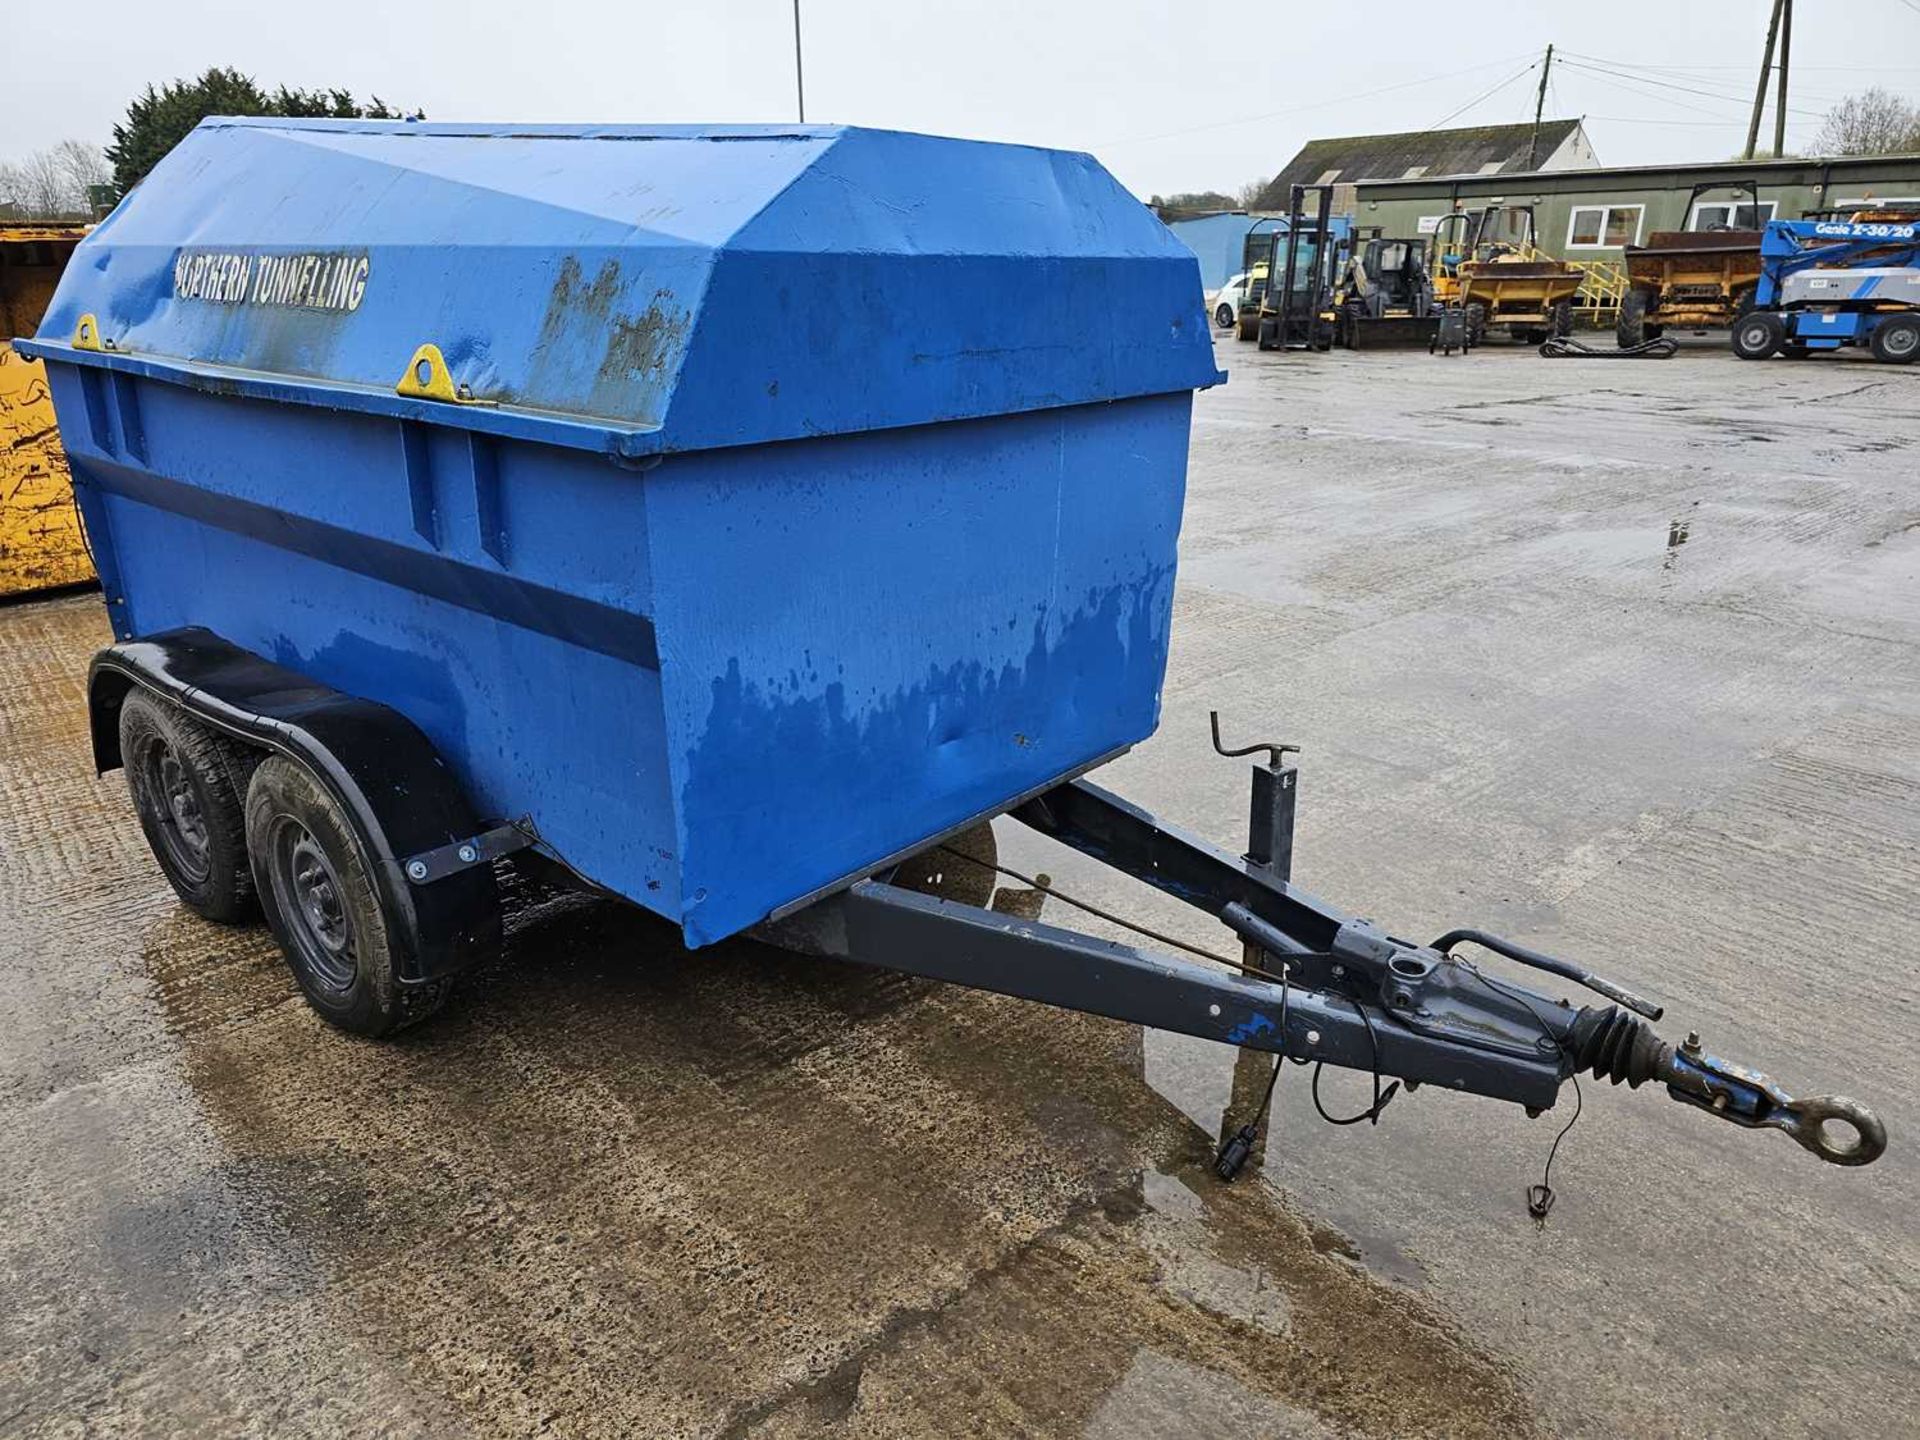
x: 1254, y: 1027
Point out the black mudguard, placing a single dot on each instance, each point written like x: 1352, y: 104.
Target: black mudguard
x: 400, y: 796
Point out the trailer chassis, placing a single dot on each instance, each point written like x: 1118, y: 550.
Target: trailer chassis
x: 1315, y: 984
x: 1320, y: 985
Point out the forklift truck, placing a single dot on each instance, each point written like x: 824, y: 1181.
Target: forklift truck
x: 1296, y: 302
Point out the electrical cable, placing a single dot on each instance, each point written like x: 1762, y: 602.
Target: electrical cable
x: 1667, y: 74
x: 1234, y: 1152
x: 1046, y: 887
x: 1309, y: 105
x: 1232, y: 1155
x: 1372, y: 1112
x: 1628, y: 85
x: 1581, y: 64
x: 1440, y: 123
x: 1539, y: 1197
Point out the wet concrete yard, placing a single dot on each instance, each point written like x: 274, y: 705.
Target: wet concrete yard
x: 1618, y: 659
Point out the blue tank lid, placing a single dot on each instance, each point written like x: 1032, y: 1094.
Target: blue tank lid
x: 692, y: 286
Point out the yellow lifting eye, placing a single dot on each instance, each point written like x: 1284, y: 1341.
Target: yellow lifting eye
x: 86, y: 335
x: 427, y: 378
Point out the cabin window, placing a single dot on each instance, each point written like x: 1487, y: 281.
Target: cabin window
x: 1713, y: 214
x: 1599, y: 227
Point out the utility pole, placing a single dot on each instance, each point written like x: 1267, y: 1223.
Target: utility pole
x: 1780, y: 105
x: 1539, y: 104
x: 1760, y: 90
x: 800, y: 79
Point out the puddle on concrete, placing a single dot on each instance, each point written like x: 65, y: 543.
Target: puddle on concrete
x: 739, y: 1191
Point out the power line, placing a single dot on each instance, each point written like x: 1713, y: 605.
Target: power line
x: 1642, y: 120
x: 1665, y: 74
x: 1453, y: 114
x: 1586, y: 64
x: 1310, y: 105
x: 1637, y: 84
x: 1631, y: 88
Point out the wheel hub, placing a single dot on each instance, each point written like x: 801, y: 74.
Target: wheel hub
x: 183, y: 823
x: 315, y: 913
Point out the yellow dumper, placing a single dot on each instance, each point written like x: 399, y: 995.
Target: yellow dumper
x: 40, y: 541
x: 1486, y: 262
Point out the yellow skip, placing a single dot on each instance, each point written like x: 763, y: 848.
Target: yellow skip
x: 40, y: 541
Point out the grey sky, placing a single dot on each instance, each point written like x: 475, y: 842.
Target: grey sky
x: 1148, y: 87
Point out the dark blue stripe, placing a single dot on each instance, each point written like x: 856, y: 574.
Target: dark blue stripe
x: 589, y: 624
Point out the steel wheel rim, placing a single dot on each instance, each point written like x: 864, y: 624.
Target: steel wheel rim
x: 1902, y: 340
x: 1757, y: 337
x: 178, y: 814
x: 311, y: 906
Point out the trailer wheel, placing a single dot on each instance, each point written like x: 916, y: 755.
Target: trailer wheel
x: 1759, y: 335
x: 317, y: 889
x: 1896, y: 341
x: 187, y: 781
x: 1561, y: 323
x: 1476, y: 323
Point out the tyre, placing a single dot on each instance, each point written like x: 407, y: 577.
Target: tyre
x: 1896, y: 341
x: 1561, y: 322
x: 1631, y: 329
x: 1248, y: 326
x: 188, y: 781
x: 317, y: 888
x: 1353, y: 320
x: 1223, y: 317
x: 1476, y: 323
x: 1794, y: 350
x: 1759, y: 335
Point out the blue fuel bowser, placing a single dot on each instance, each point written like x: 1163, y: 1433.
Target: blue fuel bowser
x: 721, y: 519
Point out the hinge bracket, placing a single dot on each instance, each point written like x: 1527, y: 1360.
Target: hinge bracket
x: 450, y: 859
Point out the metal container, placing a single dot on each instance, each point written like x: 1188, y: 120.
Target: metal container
x: 41, y: 546
x: 744, y: 506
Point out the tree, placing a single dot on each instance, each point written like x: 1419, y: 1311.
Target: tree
x: 328, y: 105
x: 1874, y: 122
x: 1191, y: 202
x: 82, y: 167
x: 1201, y: 202
x: 52, y: 184
x: 158, y: 120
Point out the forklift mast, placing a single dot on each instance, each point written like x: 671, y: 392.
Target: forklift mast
x: 1300, y: 276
